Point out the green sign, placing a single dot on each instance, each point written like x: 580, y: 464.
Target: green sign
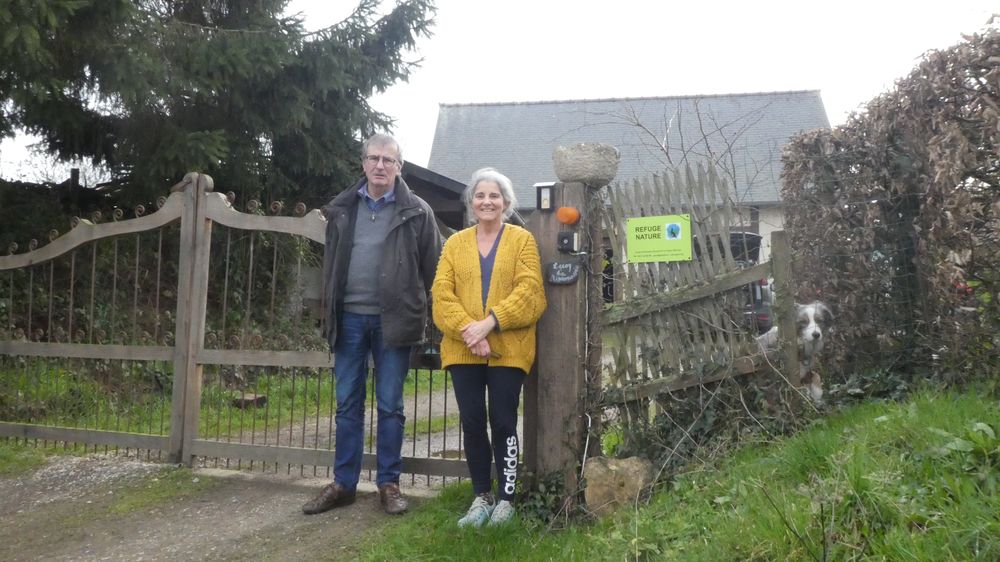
x: 665, y: 238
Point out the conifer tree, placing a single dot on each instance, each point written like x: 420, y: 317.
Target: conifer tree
x: 151, y: 89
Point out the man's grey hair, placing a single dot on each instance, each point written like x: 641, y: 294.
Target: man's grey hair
x: 382, y: 139
x: 506, y: 191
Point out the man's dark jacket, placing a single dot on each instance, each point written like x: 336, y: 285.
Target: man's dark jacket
x: 409, y: 260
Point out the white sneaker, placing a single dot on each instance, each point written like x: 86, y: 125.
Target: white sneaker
x: 502, y: 513
x: 479, y: 512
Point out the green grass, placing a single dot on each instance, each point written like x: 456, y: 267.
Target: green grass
x: 912, y: 481
x: 17, y: 458
x: 437, y: 424
x: 309, y: 396
x: 289, y: 400
x: 168, y: 484
x: 63, y: 397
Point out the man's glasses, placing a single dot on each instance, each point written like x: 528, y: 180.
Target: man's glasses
x: 386, y: 161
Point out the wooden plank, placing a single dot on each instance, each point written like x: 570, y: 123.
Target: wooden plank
x: 784, y: 304
x: 719, y: 327
x: 616, y: 235
x: 643, y: 280
x: 722, y: 215
x: 642, y: 341
x: 656, y: 283
x: 635, y: 340
x: 729, y: 312
x: 680, y: 341
x: 88, y: 232
x: 699, y: 222
x: 691, y: 271
x: 619, y: 312
x: 675, y: 348
x: 437, y: 467
x: 697, y: 347
x: 615, y: 232
x: 87, y: 351
x: 309, y: 359
x: 184, y: 350
x: 594, y: 374
x: 704, y: 193
x: 652, y: 194
x: 311, y: 226
x: 629, y: 209
x: 716, y: 230
x: 727, y: 206
x: 742, y: 366
x: 89, y: 436
x: 201, y: 228
x: 319, y: 457
x: 700, y: 315
x: 667, y: 199
x: 611, y: 346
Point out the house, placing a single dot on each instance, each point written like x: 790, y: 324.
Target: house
x: 443, y: 194
x: 743, y: 133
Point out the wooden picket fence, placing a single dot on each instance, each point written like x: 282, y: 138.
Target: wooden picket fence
x: 683, y: 323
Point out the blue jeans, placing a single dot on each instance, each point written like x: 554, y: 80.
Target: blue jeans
x: 358, y: 336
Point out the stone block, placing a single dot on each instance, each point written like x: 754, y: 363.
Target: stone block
x: 592, y: 164
x: 613, y: 483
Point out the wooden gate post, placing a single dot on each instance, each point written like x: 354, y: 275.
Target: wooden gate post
x: 184, y: 268
x: 556, y: 418
x: 189, y: 335
x: 784, y: 304
x: 556, y: 396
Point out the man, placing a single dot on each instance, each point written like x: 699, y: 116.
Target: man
x: 382, y: 248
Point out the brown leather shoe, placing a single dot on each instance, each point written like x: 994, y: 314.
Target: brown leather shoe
x: 331, y: 496
x: 392, y: 501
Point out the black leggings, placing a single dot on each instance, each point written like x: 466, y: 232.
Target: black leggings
x: 504, y: 385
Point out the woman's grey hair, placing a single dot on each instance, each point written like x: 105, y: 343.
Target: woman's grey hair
x: 506, y: 191
x: 382, y: 139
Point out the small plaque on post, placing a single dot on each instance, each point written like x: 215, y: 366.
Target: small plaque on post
x: 562, y: 273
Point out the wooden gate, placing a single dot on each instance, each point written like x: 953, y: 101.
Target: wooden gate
x: 149, y: 335
x: 678, y: 324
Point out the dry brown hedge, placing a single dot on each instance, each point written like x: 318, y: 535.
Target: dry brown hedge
x: 889, y: 212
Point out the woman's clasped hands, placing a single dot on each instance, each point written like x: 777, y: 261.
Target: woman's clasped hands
x: 474, y: 334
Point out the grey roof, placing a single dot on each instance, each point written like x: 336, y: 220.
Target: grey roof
x: 518, y: 138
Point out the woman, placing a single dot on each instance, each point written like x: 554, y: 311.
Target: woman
x: 487, y: 297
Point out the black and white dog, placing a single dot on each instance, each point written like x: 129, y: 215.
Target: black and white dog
x: 812, y: 319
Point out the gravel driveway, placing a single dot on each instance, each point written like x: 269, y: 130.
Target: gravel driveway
x: 65, y: 511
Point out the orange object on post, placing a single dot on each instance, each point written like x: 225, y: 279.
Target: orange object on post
x: 568, y: 215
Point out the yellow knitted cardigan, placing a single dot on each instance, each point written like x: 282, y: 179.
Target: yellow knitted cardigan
x: 516, y: 298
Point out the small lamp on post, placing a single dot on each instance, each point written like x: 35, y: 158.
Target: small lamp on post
x: 428, y: 354
x: 543, y: 192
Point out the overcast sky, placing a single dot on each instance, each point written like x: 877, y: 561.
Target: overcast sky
x: 532, y: 50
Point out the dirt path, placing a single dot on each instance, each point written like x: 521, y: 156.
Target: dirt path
x: 317, y: 431
x: 419, y: 441
x: 72, y: 509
